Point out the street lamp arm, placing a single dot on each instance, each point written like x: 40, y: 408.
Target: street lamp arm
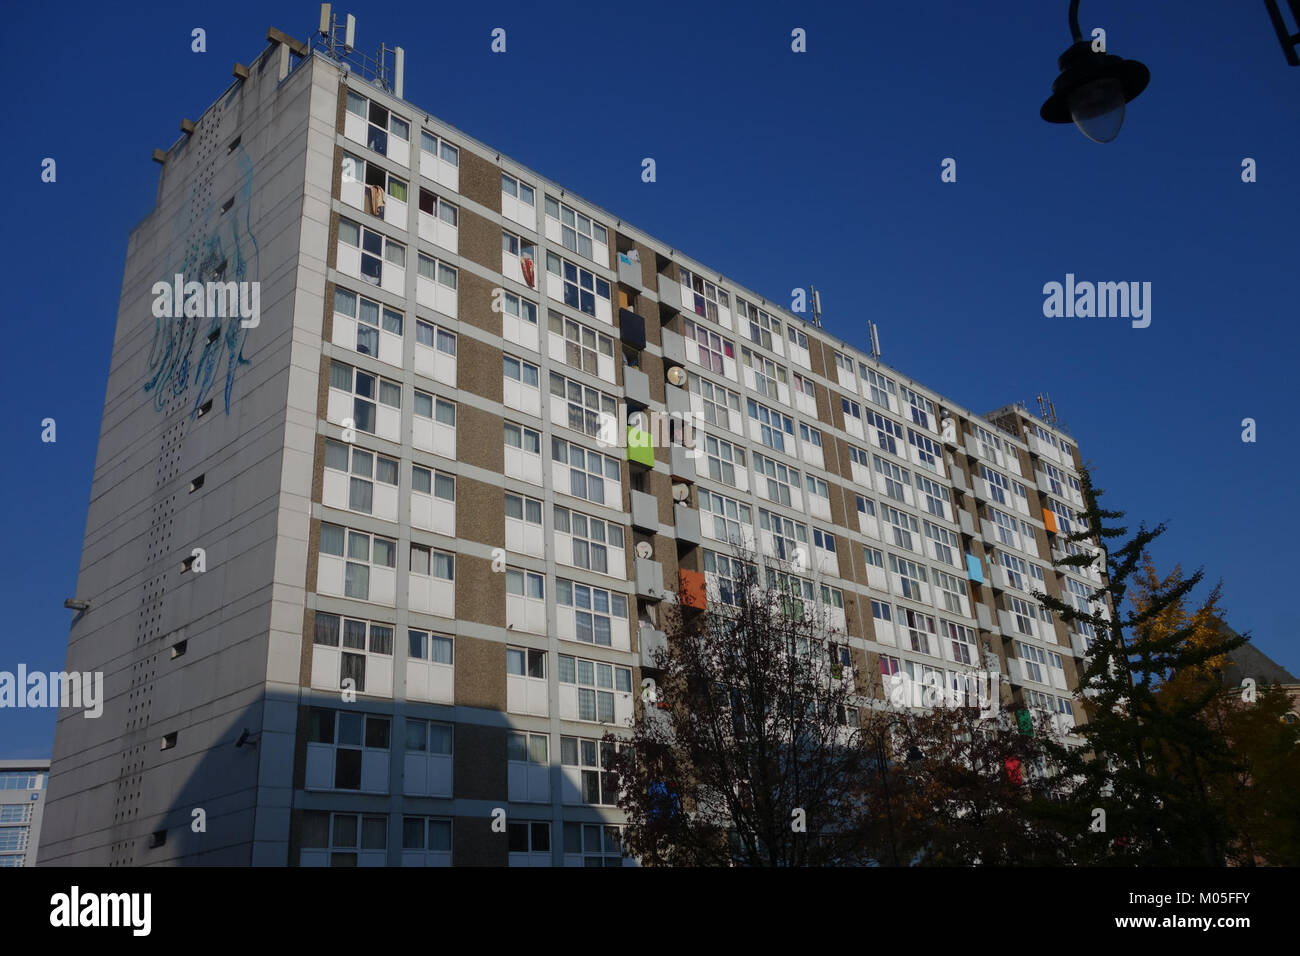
x: 1075, y: 32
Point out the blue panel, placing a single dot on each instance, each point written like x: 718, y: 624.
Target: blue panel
x: 974, y: 570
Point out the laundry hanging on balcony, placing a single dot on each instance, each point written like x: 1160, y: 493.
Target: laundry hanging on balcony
x: 375, y: 200
x: 526, y: 267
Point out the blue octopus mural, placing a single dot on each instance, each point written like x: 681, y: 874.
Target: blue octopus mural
x: 227, y: 251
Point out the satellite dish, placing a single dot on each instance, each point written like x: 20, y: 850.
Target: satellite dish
x: 644, y: 550
x: 677, y: 376
x: 681, y: 491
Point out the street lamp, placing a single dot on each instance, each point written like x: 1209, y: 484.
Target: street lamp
x: 1093, y: 87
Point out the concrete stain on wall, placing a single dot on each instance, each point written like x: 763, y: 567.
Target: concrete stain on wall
x: 191, y: 354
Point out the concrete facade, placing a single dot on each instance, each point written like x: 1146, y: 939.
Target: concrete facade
x: 382, y: 476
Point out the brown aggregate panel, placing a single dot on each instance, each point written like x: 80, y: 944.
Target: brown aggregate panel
x: 475, y: 303
x: 480, y: 180
x: 481, y: 671
x: 479, y: 768
x: 480, y: 512
x: 474, y: 843
x: 482, y: 591
x: 478, y: 370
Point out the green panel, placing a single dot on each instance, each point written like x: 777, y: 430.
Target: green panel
x: 640, y: 447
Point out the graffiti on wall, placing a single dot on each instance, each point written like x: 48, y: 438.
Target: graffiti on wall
x: 193, y: 353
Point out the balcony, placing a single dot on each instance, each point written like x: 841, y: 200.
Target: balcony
x: 670, y: 293
x: 967, y: 523
x: 985, y: 618
x: 645, y: 511
x: 631, y: 328
x: 958, y: 477
x: 683, y: 461
x: 673, y: 345
x: 649, y: 579
x: 1079, y: 644
x: 678, y: 401
x: 640, y: 447
x: 636, y: 386
x: 652, y: 642
x: 629, y: 271
x: 687, y: 521
x: 691, y: 591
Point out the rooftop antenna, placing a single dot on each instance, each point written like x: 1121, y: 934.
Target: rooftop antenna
x: 816, y: 306
x: 341, y: 39
x: 875, y: 339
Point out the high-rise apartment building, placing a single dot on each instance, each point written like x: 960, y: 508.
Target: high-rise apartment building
x: 22, y: 808
x: 391, y: 470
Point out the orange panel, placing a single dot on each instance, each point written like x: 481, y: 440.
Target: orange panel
x: 691, y: 590
x: 1049, y: 519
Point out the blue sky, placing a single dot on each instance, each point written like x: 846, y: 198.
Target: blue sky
x: 780, y: 170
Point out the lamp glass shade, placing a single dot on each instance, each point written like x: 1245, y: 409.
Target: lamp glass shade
x: 1097, y: 108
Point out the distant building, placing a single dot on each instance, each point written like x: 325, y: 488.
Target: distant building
x: 22, y: 802
x: 1248, y: 661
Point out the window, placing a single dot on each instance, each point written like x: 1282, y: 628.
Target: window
x: 729, y: 517
x: 879, y: 388
x: 582, y: 346
x: 712, y: 348
x: 834, y: 598
x: 1033, y: 660
x: 920, y: 631
x: 866, y: 506
x: 430, y: 482
x: 922, y: 408
x: 723, y: 458
x: 805, y: 387
x: 934, y: 496
x: 435, y: 146
x: 873, y: 557
x: 588, y: 471
x: 780, y: 479
x: 904, y: 525
x: 364, y: 470
x: 730, y: 575
x: 358, y: 641
x: 810, y: 435
x: 888, y: 432
x: 990, y: 447
x: 797, y: 338
x: 423, y: 646
x: 1065, y: 516
x: 772, y: 425
x: 881, y: 612
x: 758, y: 325
x: 431, y: 835
x: 525, y: 584
x: 369, y: 317
x: 944, y: 544
x: 375, y: 249
x: 717, y: 400
x: 1008, y: 528
x: 523, y: 662
x: 818, y: 489
x: 581, y: 288
x: 961, y: 640
x: 1017, y: 572
x: 786, y: 536
x: 795, y: 594
x: 860, y: 459
x: 895, y: 478
x: 596, y: 683
x: 600, y: 846
x: 950, y: 591
x: 366, y: 389
x: 843, y: 363
x: 928, y: 452
x: 518, y: 189
x: 522, y: 508
x: 434, y: 205
x: 590, y: 540
x: 352, y: 753
x: 525, y: 439
x: 343, y: 839
x: 585, y: 405
x: 767, y: 374
x: 532, y: 836
x: 363, y: 552
x: 578, y: 233
x: 432, y: 563
x: 998, y: 484
x: 911, y: 577
x: 1023, y: 613
x: 889, y: 666
x: 705, y: 298
x: 591, y: 760
x: 515, y: 246
x: 520, y: 371
x: 22, y: 780
x: 852, y: 415
x: 595, y: 610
